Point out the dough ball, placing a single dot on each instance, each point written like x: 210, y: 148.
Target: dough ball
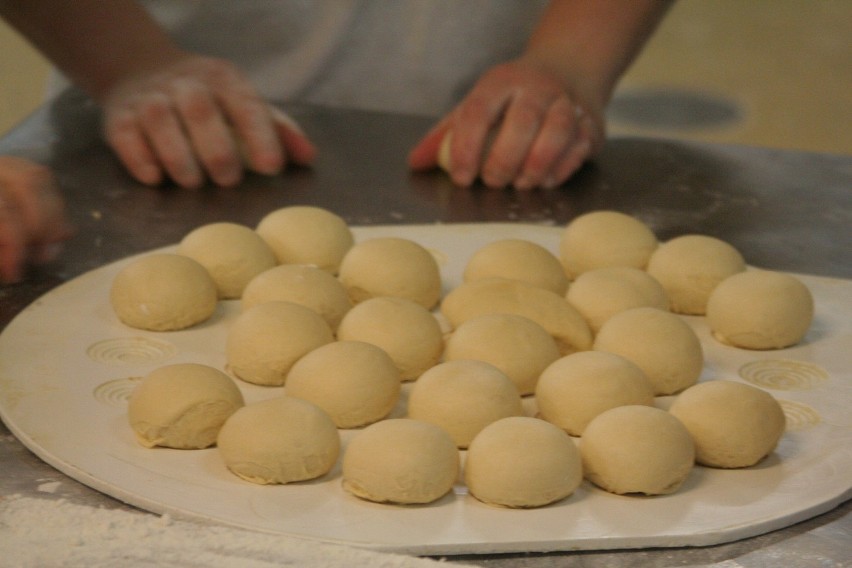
x: 516, y: 345
x: 760, y: 309
x: 500, y: 295
x: 407, y: 331
x: 603, y: 292
x: 517, y: 259
x: 444, y: 159
x: 401, y: 460
x: 356, y: 383
x: 576, y: 388
x: 182, y: 406
x: 637, y: 449
x: 265, y: 341
x: 301, y: 284
x: 690, y: 267
x: 301, y: 234
x: 279, y: 440
x: 522, y: 462
x: 660, y: 343
x: 233, y: 254
x: 463, y: 397
x: 163, y: 292
x: 732, y: 424
x: 605, y: 238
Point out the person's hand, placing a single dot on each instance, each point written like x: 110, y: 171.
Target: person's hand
x: 198, y: 118
x: 542, y: 133
x: 32, y: 217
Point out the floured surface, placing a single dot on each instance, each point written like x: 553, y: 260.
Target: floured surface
x: 67, y: 366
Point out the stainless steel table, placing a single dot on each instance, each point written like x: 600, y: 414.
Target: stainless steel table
x: 784, y: 210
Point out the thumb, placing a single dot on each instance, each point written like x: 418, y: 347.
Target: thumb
x: 424, y: 155
x: 299, y: 149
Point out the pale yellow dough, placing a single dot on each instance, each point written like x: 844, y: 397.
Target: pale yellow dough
x: 356, y: 383
x: 302, y: 234
x: 182, y: 406
x: 637, y: 449
x: 407, y: 331
x: 732, y: 424
x: 264, y: 341
x: 163, y: 292
x: 402, y: 461
x: 522, y: 462
x: 233, y: 254
x: 573, y: 390
x: 463, y: 397
x: 279, y: 440
x: 517, y: 259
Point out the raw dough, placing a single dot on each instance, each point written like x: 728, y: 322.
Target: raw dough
x: 690, y: 266
x: 660, y: 343
x: 163, y: 292
x: 400, y: 460
x: 605, y: 238
x: 233, y: 254
x: 522, y: 462
x: 390, y: 266
x: 407, y: 331
x: 463, y: 397
x: 516, y: 345
x: 759, y: 309
x: 356, y: 383
x: 637, y: 449
x: 732, y: 424
x: 301, y: 284
x: 517, y: 259
x: 182, y: 406
x: 576, y: 388
x: 279, y: 440
x: 603, y: 292
x: 264, y: 341
x: 301, y: 234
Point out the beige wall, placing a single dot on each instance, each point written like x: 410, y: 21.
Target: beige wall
x: 23, y: 72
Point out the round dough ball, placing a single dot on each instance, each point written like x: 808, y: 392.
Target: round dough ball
x: 163, y: 292
x: 444, y: 159
x: 302, y: 234
x: 660, y: 343
x: 265, y: 341
x: 573, y: 390
x: 182, y: 406
x: 279, y: 440
x: 407, y: 331
x: 522, y: 462
x: 516, y: 345
x: 732, y: 424
x: 401, y: 460
x: 356, y: 383
x: 301, y: 284
x: 233, y: 254
x: 690, y: 267
x: 500, y: 295
x: 517, y: 259
x: 463, y: 397
x: 605, y: 238
x: 760, y: 309
x: 637, y: 449
x: 390, y: 266
x: 603, y: 292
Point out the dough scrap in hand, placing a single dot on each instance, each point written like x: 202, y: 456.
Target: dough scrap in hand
x: 303, y: 234
x: 517, y: 259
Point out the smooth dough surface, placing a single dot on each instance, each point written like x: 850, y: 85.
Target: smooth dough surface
x: 400, y: 460
x: 732, y: 424
x: 233, y: 254
x: 517, y: 259
x: 522, y: 462
x: 463, y: 397
x: 637, y: 449
x: 279, y: 440
x: 356, y: 383
x: 163, y: 292
x: 302, y: 234
x: 760, y: 309
x: 182, y: 406
x: 407, y: 331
